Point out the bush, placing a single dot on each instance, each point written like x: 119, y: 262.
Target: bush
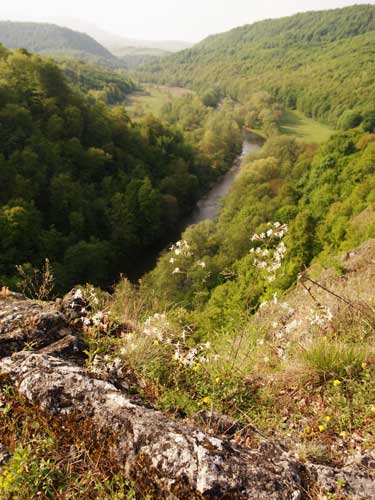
x: 334, y: 359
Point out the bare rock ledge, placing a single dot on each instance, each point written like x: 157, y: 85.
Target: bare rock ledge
x: 181, y: 461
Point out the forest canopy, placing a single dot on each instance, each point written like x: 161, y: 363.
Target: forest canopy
x: 81, y: 184
x: 321, y: 63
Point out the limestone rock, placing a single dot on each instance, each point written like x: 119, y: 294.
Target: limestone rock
x: 178, y: 460
x: 31, y: 325
x: 353, y: 480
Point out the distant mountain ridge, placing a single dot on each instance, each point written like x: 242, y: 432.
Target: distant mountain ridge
x: 51, y: 39
x: 165, y: 45
x: 134, y: 57
x: 114, y: 42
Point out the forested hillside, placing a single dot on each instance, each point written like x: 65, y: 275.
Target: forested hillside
x: 137, y: 56
x: 81, y: 184
x: 324, y: 195
x: 321, y: 63
x: 54, y: 40
x: 108, y: 85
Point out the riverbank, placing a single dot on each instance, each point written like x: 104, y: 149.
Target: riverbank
x: 206, y: 209
x: 209, y: 206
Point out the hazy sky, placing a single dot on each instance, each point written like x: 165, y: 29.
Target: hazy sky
x: 189, y: 20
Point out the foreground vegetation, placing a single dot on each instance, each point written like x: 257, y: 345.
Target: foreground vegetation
x: 55, y: 458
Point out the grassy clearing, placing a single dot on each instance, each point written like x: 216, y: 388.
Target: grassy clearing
x: 293, y: 123
x: 153, y: 98
x: 308, y: 130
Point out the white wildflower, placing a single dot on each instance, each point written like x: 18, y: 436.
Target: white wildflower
x: 292, y: 326
x: 78, y: 294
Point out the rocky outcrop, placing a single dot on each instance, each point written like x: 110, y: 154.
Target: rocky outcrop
x: 40, y: 345
x: 45, y: 327
x: 178, y: 460
x: 352, y: 480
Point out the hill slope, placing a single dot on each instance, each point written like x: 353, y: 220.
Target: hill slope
x: 76, y: 175
x: 114, y: 42
x: 137, y: 56
x: 53, y: 40
x: 318, y: 62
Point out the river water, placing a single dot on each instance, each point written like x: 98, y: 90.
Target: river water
x: 207, y: 208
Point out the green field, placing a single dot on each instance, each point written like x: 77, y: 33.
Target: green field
x: 152, y: 98
x: 308, y: 130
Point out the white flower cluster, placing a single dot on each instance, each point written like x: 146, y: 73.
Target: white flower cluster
x: 78, y: 294
x: 270, y: 256
x: 158, y: 331
x: 180, y: 251
x: 90, y: 295
x: 277, y: 230
x: 90, y: 318
x: 157, y: 327
x: 322, y: 317
x: 191, y: 357
x: 182, y: 248
x: 98, y: 320
x: 293, y: 325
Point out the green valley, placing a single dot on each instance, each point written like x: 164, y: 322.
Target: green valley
x: 309, y: 62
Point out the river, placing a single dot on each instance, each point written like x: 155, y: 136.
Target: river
x: 207, y: 208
